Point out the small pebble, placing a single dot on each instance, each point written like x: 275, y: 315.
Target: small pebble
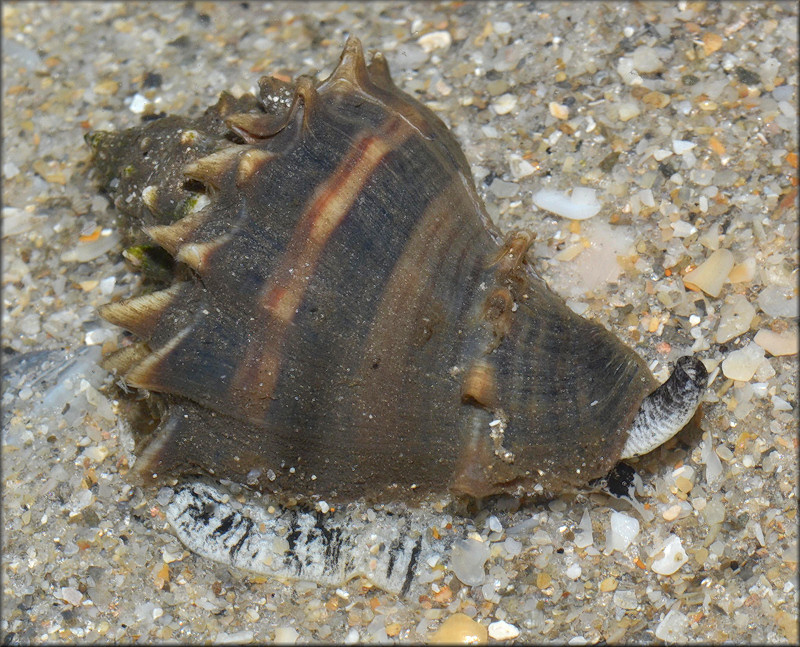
x: 626, y: 599
x: 502, y: 630
x: 494, y: 524
x: 656, y: 100
x: 138, y: 104
x: 503, y: 189
x: 671, y: 513
x: 574, y: 571
x: 513, y: 547
x: 91, y: 249
x: 608, y: 584
x: 96, y: 453
x: 779, y: 404
x: 711, y: 42
x: 742, y: 364
x: 504, y: 104
x: 520, y: 167
x: 682, y: 229
x: 580, y: 205
x: 435, y: 40
x: 286, y: 636
x: 681, y: 146
x: 743, y: 272
x: 10, y: 170
x: 674, y: 556
x: 646, y: 60
x: 784, y: 343
x: 734, y: 318
x: 460, y: 629
x: 71, y: 595
x: 711, y: 274
x: 777, y: 301
x: 106, y: 88
x: 558, y: 110
x: 672, y: 628
x: 628, y: 111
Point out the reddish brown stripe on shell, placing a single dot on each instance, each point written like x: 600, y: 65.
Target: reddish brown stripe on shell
x: 418, y: 320
x: 254, y: 383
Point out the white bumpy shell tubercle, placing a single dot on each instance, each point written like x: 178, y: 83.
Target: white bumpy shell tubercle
x: 668, y: 409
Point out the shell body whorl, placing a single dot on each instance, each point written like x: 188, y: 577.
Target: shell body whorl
x: 347, y: 321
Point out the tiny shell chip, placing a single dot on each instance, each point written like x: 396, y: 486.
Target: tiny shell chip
x: 672, y: 627
x: 622, y: 532
x: 583, y: 533
x: 674, y: 556
x: 459, y: 629
x: 581, y: 205
x: 711, y: 274
x: 778, y: 301
x: 501, y: 630
x: 467, y: 559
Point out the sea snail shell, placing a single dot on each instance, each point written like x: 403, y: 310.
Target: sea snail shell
x: 347, y: 321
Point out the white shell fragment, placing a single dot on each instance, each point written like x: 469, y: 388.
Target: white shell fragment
x: 622, y: 532
x: 674, y: 556
x: 672, y: 627
x: 681, y: 146
x: 467, y: 560
x: 435, y: 40
x: 778, y: 301
x: 580, y: 205
x: 502, y: 630
x: 583, y: 533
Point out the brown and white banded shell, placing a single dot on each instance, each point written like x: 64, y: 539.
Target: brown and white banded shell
x: 346, y: 320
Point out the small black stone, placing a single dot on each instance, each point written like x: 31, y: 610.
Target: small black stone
x: 152, y: 80
x: 153, y: 117
x: 746, y: 76
x: 620, y: 480
x: 608, y: 162
x: 180, y: 41
x: 666, y: 170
